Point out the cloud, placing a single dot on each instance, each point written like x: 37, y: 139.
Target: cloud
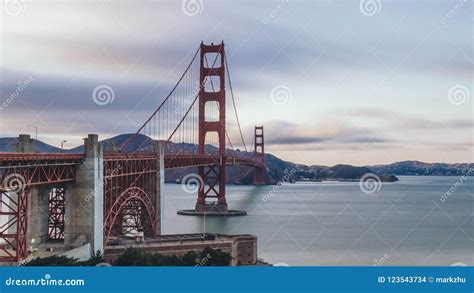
x: 140, y: 50
x: 411, y: 122
x: 333, y: 132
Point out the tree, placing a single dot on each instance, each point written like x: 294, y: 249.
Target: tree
x: 207, y: 257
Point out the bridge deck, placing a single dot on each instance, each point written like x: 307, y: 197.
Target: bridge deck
x: 46, y: 168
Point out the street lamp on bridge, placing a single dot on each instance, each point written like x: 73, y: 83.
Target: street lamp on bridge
x: 62, y: 144
x: 36, y: 131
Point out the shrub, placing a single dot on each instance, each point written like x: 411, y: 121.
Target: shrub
x: 207, y: 257
x: 55, y: 260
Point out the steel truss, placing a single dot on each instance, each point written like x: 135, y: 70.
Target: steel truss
x: 57, y: 210
x: 13, y: 228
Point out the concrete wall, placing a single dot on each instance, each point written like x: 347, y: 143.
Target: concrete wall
x: 85, y: 200
x: 82, y: 252
x: 24, y: 144
x: 242, y: 248
x: 38, y: 215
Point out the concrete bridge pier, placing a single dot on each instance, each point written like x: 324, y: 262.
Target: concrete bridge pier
x: 37, y: 212
x: 38, y: 215
x: 24, y: 144
x: 84, y: 199
x: 160, y: 177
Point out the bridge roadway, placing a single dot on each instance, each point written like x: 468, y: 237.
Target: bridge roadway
x: 47, y: 168
x: 85, y: 195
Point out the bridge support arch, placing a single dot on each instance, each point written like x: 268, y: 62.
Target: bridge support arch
x: 132, y: 211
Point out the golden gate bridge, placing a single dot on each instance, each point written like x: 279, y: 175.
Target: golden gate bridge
x: 120, y: 187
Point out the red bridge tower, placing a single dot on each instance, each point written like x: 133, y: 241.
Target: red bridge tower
x: 259, y: 178
x: 213, y: 176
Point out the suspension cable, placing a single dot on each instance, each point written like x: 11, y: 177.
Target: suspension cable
x: 124, y: 145
x: 195, y: 99
x: 219, y: 108
x: 233, y: 102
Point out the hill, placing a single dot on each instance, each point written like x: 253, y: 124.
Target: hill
x: 423, y: 169
x: 7, y: 143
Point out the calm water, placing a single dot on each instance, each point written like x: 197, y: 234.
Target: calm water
x: 405, y: 223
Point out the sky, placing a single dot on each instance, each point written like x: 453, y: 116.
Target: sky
x: 356, y: 82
